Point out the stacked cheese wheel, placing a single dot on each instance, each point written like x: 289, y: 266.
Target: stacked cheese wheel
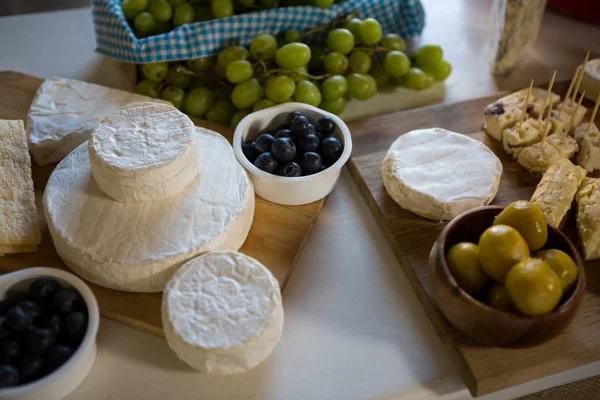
x: 146, y: 194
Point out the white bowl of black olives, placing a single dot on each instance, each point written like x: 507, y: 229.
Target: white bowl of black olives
x: 48, y: 325
x: 293, y: 152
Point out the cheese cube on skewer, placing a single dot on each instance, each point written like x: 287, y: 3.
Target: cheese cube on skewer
x: 537, y: 160
x: 589, y: 152
x: 566, y: 147
x: 582, y: 130
x: 569, y: 109
x: 588, y: 217
x: 522, y: 135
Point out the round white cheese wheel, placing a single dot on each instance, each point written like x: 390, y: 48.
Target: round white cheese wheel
x: 222, y: 313
x: 138, y: 246
x: 144, y: 152
x: 439, y: 174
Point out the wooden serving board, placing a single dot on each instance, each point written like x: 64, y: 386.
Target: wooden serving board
x: 277, y: 236
x: 484, y: 369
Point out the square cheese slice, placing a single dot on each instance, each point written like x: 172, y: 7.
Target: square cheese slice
x: 588, y: 217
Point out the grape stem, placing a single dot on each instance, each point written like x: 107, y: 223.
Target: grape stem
x: 334, y: 23
x: 288, y: 72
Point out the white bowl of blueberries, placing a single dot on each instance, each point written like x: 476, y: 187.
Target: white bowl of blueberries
x: 49, y: 320
x: 293, y: 152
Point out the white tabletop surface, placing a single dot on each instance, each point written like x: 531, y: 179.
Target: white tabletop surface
x: 354, y: 327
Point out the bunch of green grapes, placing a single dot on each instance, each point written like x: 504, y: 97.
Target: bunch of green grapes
x: 153, y: 17
x: 358, y: 59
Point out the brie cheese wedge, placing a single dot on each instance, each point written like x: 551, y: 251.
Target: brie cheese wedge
x: 439, y: 174
x: 222, y: 313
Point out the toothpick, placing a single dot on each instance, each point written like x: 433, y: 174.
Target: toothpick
x: 587, y: 56
x: 546, y: 127
x: 594, y: 113
x: 547, y: 97
x: 526, y: 103
x: 568, y: 127
x: 562, y: 108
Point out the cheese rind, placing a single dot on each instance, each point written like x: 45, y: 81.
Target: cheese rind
x: 144, y: 152
x: 222, y: 313
x: 138, y: 246
x: 588, y: 217
x: 439, y: 174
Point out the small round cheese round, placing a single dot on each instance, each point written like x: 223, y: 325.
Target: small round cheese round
x: 143, y: 152
x: 222, y: 313
x: 439, y: 174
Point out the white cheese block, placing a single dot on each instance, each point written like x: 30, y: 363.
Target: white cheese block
x: 64, y: 112
x: 222, y: 313
x: 439, y: 174
x: 538, y: 159
x: 589, y: 147
x: 566, y: 147
x: 144, y: 153
x: 138, y: 246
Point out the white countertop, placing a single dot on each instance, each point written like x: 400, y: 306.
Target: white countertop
x: 354, y: 327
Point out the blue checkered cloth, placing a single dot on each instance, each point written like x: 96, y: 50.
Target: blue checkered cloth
x: 115, y: 38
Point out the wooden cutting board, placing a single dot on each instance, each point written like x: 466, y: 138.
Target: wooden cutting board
x: 484, y: 369
x: 277, y: 236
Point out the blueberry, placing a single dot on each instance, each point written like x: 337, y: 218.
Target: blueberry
x: 325, y: 126
x: 309, y: 143
x: 57, y: 356
x: 311, y: 130
x: 264, y: 142
x: 49, y: 321
x: 299, y: 126
x: 18, y: 320
x: 31, y: 308
x: 9, y: 351
x: 42, y: 288
x: 283, y: 133
x: 75, y: 326
x: 9, y: 376
x: 331, y: 149
x: 39, y: 340
x: 30, y: 367
x: 283, y: 149
x: 250, y: 151
x: 4, y: 332
x: 282, y: 127
x: 7, y: 304
x: 291, y: 116
x: 290, y: 169
x: 310, y: 163
x: 266, y: 162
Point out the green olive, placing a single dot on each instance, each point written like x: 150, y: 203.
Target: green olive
x: 527, y: 218
x: 498, y: 298
x: 562, y: 264
x: 500, y: 248
x: 463, y: 261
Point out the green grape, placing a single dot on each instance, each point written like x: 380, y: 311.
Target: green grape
x: 203, y: 14
x: 224, y: 92
x: 280, y: 88
x: 175, y: 95
x: 293, y: 55
x: 262, y: 104
x: 428, y: 55
x: 417, y: 79
x: 239, y: 116
x: 221, y: 112
x: 177, y: 77
x: 221, y: 8
x: 317, y: 55
x: 359, y: 62
x: 239, y: 71
x: 396, y: 63
x: 353, y: 25
x: 147, y: 88
x: 269, y: 3
x: 160, y: 10
x: 323, y: 3
x: 370, y: 31
x: 198, y: 81
x: 392, y: 41
x: 184, y: 14
x: 138, y: 5
x: 128, y: 10
x: 378, y: 71
x: 175, y: 3
x: 299, y: 74
x: 155, y: 72
x: 335, y: 63
x: 340, y: 41
x: 291, y: 36
x: 263, y: 47
x: 334, y: 87
x: 333, y: 106
x: 200, y: 64
x: 144, y: 22
x: 361, y: 86
x: 231, y: 54
x: 308, y: 93
x: 438, y: 71
x: 247, y: 93
x: 198, y: 101
x: 162, y: 27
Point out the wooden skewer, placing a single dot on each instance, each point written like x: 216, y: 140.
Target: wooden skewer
x: 587, y: 56
x: 545, y: 131
x: 593, y: 117
x: 562, y: 108
x: 526, y: 103
x: 547, y: 97
x: 568, y: 127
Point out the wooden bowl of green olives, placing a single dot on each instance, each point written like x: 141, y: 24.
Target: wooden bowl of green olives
x: 503, y: 277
